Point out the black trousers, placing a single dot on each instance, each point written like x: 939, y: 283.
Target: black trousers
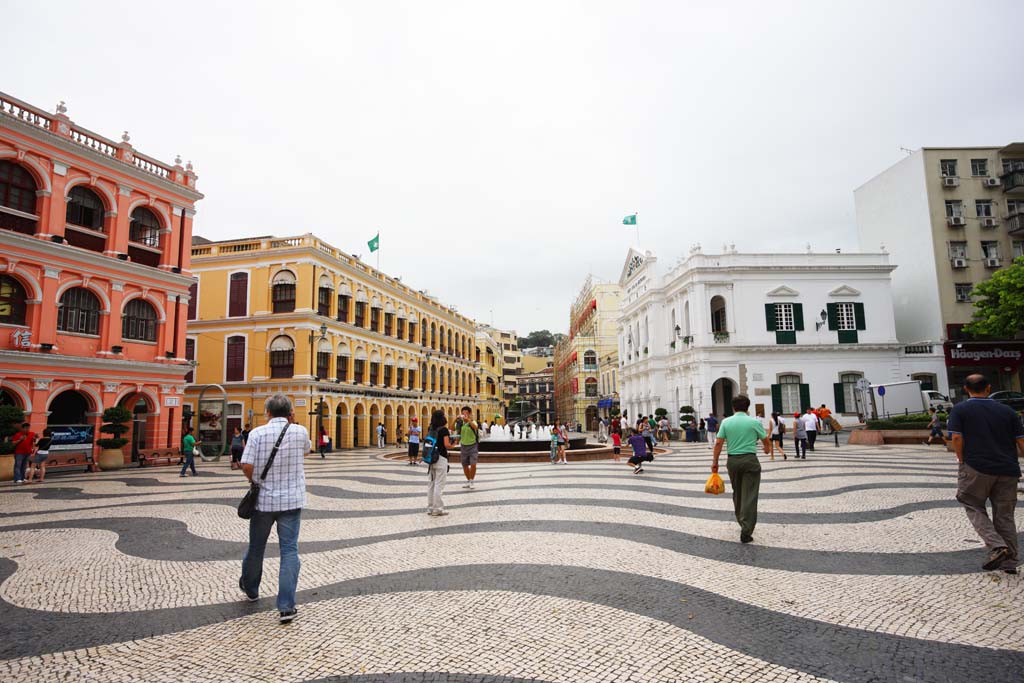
x: 811, y: 436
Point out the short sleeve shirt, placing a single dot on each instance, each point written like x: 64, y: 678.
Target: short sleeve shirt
x: 187, y: 444
x: 639, y: 444
x: 990, y: 431
x: 741, y: 433
x: 810, y: 422
x: 441, y: 434
x: 467, y: 435
x: 285, y: 485
x: 712, y: 424
x: 25, y: 447
x: 414, y: 434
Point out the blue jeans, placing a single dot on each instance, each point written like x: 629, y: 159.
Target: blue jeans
x: 20, y: 464
x: 190, y: 461
x: 288, y: 541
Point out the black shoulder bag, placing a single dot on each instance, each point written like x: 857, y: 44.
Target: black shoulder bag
x: 248, y: 504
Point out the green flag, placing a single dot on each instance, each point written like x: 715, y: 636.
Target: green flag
x: 629, y: 220
x: 374, y: 244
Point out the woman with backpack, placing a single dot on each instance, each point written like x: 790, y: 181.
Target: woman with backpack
x: 435, y: 453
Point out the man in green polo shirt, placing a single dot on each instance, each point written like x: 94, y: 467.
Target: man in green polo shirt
x: 469, y: 448
x: 740, y: 434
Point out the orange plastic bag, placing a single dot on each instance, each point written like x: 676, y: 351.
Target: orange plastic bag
x: 715, y: 485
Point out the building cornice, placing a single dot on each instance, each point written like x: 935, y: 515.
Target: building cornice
x: 271, y: 257
x: 101, y: 266
x: 104, y: 161
x: 76, y: 364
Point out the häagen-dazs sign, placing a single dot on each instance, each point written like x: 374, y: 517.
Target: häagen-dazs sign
x: 1006, y: 354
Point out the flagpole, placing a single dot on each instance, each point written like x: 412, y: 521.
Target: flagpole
x: 378, y: 250
x: 636, y: 223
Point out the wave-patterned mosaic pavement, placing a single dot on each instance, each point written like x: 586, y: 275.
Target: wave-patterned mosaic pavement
x: 864, y: 569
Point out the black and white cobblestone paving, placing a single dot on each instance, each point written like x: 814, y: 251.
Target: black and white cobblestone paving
x: 864, y: 569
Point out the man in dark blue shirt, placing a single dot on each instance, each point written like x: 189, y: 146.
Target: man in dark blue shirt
x: 989, y: 438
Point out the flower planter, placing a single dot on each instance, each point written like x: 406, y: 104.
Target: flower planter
x: 6, y: 467
x: 111, y: 459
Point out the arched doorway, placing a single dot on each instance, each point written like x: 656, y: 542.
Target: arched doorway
x: 722, y: 392
x: 359, y: 418
x: 9, y: 398
x: 140, y: 414
x: 68, y: 408
x: 342, y: 428
x: 591, y: 418
x: 375, y: 419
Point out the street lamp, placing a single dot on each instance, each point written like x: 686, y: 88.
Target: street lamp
x: 314, y: 379
x: 824, y: 320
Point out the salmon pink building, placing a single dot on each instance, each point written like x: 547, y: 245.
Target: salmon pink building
x: 94, y: 282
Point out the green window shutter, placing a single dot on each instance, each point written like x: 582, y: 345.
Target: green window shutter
x: 769, y: 316
x: 840, y: 397
x: 798, y: 317
x: 858, y: 314
x: 805, y: 397
x: 785, y: 337
x: 833, y: 317
x: 848, y: 336
x: 776, y: 398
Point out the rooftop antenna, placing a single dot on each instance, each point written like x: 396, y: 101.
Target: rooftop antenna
x: 908, y: 151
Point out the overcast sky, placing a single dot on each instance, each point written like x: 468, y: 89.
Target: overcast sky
x: 497, y: 146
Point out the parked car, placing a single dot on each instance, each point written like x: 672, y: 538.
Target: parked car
x: 1014, y: 399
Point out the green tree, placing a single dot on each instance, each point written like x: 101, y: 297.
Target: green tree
x: 11, y: 418
x: 999, y: 304
x: 114, y: 419
x: 536, y: 338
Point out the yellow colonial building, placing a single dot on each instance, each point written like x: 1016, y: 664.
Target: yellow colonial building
x: 593, y: 334
x: 490, y: 387
x: 352, y: 346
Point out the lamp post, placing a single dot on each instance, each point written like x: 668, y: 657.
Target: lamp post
x: 314, y: 379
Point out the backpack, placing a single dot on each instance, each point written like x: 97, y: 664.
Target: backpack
x: 782, y: 427
x: 431, y: 453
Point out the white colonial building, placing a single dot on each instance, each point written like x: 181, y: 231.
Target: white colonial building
x: 788, y: 330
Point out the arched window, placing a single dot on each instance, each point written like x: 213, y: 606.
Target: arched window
x: 144, y: 228
x: 12, y: 301
x: 282, y: 357
x: 85, y: 209
x: 79, y: 311
x: 451, y: 349
x: 235, y: 361
x: 423, y: 332
x: 433, y: 336
x: 190, y: 354
x: 590, y: 386
x: 283, y: 292
x: 238, y: 295
x: 718, y: 321
x: 325, y: 292
x: 590, y: 360
x: 323, y: 359
x: 18, y: 192
x: 139, y: 321
x: 849, y: 394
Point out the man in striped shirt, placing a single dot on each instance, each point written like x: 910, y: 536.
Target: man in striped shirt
x: 281, y: 499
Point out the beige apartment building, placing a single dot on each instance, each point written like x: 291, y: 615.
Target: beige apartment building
x: 490, y: 387
x: 950, y: 217
x: 593, y: 328
x: 352, y: 346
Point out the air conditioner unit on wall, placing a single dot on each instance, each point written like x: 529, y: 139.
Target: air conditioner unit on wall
x: 992, y: 182
x: 959, y: 262
x: 988, y: 222
x: 992, y: 262
x: 951, y: 181
x: 956, y: 220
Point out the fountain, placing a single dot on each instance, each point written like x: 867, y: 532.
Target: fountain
x: 523, y: 437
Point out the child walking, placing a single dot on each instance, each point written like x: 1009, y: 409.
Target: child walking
x: 616, y: 445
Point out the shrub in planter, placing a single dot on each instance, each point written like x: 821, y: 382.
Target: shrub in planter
x: 114, y: 418
x: 113, y: 423
x: 688, y: 422
x: 660, y: 412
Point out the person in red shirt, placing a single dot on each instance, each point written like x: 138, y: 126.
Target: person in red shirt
x: 616, y: 444
x: 23, y: 442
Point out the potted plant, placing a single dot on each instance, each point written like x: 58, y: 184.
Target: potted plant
x: 11, y: 418
x: 672, y: 344
x: 688, y: 422
x: 645, y: 350
x: 114, y: 418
